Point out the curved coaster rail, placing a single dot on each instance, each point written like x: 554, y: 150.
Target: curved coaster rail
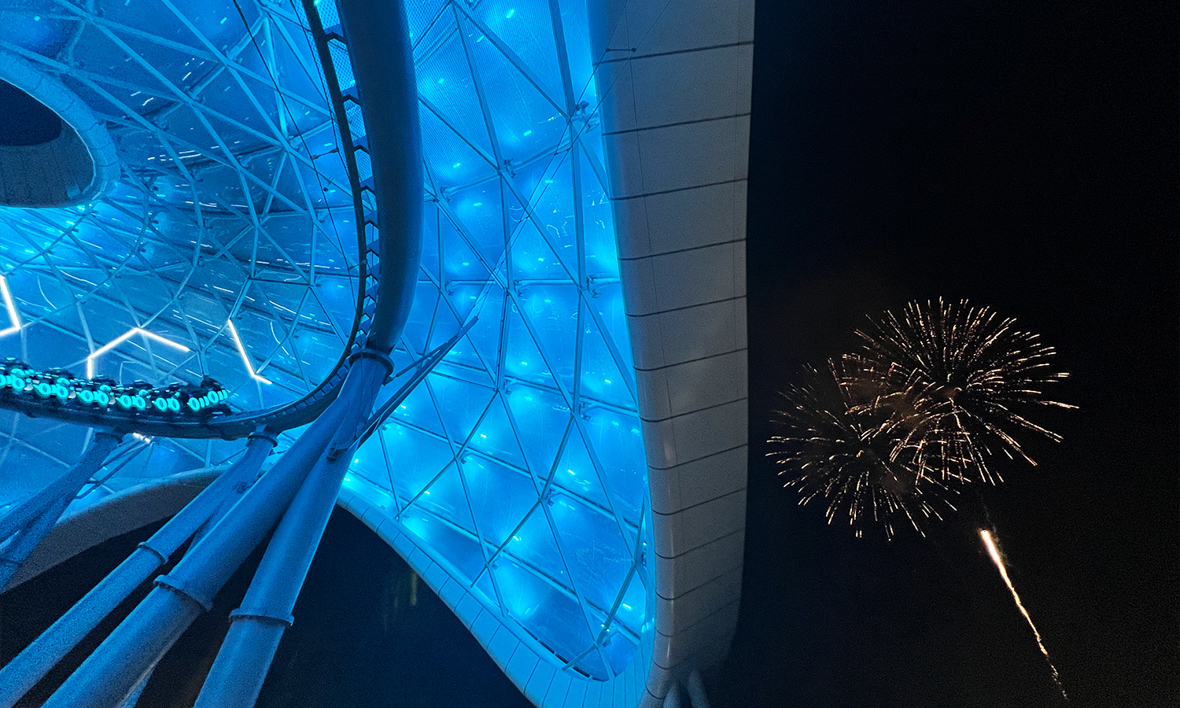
x: 303, y: 410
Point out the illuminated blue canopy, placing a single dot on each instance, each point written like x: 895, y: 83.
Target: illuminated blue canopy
x: 227, y: 248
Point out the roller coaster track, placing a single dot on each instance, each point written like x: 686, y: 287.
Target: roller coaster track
x: 307, y: 408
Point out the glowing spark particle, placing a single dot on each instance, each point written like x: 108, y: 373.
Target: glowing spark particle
x: 994, y: 552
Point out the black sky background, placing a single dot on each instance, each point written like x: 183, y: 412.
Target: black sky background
x: 1021, y: 154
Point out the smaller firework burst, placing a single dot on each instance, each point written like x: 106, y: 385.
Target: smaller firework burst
x: 950, y: 384
x: 827, y: 451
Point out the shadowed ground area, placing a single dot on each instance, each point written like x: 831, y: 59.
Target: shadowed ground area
x: 366, y: 633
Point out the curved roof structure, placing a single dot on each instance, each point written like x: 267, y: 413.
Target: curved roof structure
x: 568, y: 469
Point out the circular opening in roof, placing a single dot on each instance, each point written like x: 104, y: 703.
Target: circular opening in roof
x: 43, y: 161
x: 25, y: 121
x: 53, y: 150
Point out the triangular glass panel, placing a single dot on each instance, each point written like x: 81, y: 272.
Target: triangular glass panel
x: 485, y: 334
x: 368, y: 461
x: 598, y: 230
x: 446, y: 324
x: 464, y: 297
x: 415, y: 458
x: 457, y: 546
x: 523, y: 360
x: 607, y: 300
x: 452, y: 160
x: 528, y: 181
x: 553, y: 210
x: 532, y: 259
x: 500, y: 497
x: 552, y: 310
x: 575, y: 472
x: 459, y: 403
x: 480, y: 210
x: 496, y: 438
x: 533, y: 543
x: 527, y: 122
x: 631, y: 611
x: 617, y: 439
x: 550, y: 614
x: 597, y: 556
x: 445, y: 82
x: 417, y: 327
x: 525, y: 27
x: 541, y: 418
x: 445, y: 498
x: 601, y: 378
x: 460, y: 262
x: 338, y: 298
x: 418, y: 410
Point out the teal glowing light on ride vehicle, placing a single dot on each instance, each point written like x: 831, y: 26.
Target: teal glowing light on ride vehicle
x: 57, y: 390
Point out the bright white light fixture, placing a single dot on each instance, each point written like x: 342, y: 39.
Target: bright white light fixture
x: 242, y: 350
x: 123, y: 338
x: 10, y: 306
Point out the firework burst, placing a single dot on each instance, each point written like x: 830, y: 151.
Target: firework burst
x: 830, y: 453
x: 950, y: 385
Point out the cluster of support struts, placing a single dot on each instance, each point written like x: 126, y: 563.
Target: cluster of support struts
x: 225, y: 523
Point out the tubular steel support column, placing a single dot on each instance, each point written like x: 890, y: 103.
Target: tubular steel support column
x: 136, y: 645
x: 26, y: 525
x: 258, y: 625
x: 31, y: 665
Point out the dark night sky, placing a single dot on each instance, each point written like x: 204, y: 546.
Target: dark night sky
x: 1020, y: 154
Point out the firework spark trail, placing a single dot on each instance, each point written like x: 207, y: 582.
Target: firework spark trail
x: 994, y: 552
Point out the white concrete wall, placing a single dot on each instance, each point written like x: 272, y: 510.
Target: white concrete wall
x: 674, y: 80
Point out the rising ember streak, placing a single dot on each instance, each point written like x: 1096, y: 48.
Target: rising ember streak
x: 994, y: 552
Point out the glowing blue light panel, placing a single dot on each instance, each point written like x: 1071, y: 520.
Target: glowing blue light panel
x: 520, y: 461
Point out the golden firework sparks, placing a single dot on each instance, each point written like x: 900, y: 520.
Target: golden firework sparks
x: 828, y: 453
x: 951, y: 384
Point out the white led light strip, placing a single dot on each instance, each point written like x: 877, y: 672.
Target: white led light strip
x: 124, y: 337
x: 10, y: 306
x: 15, y: 326
x: 242, y: 350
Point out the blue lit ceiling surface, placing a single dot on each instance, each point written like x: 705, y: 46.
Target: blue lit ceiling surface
x: 225, y: 248
x: 519, y: 461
